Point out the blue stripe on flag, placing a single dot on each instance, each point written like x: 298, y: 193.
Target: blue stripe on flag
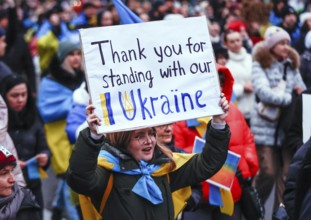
x: 109, y: 109
x: 125, y: 14
x: 215, y: 196
x: 32, y: 169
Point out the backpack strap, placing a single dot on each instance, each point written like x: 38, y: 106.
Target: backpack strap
x: 168, y: 178
x: 106, y: 193
x: 89, y: 212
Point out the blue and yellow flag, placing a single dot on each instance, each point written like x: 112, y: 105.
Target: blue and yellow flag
x: 220, y: 184
x: 125, y: 14
x: 34, y: 171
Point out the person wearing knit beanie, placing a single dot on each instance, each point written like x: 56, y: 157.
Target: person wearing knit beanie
x: 304, y: 17
x: 237, y: 25
x: 16, y: 202
x: 277, y: 82
x: 8, y: 82
x: 305, y: 61
x: 304, y: 28
x: 308, y: 40
x: 65, y: 48
x: 6, y: 158
x: 65, y: 75
x: 290, y: 23
x: 241, y: 27
x: 287, y: 10
x: 274, y: 35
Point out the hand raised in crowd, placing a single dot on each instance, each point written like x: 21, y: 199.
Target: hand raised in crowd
x: 22, y: 164
x: 42, y: 159
x: 92, y: 119
x: 224, y: 104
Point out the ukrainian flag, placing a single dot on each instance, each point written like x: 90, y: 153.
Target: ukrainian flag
x: 34, y: 171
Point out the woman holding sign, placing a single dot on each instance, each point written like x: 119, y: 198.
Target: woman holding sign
x: 126, y: 175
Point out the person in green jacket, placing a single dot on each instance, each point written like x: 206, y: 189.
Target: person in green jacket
x: 146, y: 176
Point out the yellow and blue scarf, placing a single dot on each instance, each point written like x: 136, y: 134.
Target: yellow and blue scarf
x: 145, y: 187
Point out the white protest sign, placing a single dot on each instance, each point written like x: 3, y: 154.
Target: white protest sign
x: 147, y: 74
x: 306, y: 120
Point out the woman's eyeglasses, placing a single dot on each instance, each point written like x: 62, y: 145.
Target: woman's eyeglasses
x: 164, y: 127
x: 143, y: 138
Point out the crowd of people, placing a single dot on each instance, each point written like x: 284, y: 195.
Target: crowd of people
x: 263, y: 54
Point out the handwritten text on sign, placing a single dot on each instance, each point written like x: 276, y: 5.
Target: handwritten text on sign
x: 151, y: 73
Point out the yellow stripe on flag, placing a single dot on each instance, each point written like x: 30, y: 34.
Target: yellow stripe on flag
x: 42, y: 173
x: 201, y: 129
x: 228, y: 204
x: 104, y: 108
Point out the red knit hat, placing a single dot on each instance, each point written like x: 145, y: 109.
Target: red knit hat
x: 237, y: 25
x: 6, y: 157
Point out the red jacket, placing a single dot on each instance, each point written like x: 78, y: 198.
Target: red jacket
x: 241, y: 142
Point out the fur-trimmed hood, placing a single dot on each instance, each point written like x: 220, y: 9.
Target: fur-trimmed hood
x: 262, y: 55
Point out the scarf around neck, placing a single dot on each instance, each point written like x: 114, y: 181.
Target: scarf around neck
x: 145, y: 186
x: 237, y: 57
x: 10, y: 205
x: 111, y: 162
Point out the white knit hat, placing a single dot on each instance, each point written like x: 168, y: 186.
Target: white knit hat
x: 308, y: 40
x: 304, y: 16
x: 274, y: 35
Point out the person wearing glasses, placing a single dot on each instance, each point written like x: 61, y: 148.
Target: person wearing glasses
x: 145, y: 174
x: 165, y: 137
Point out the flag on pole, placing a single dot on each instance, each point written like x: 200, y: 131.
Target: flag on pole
x: 125, y: 14
x: 33, y: 169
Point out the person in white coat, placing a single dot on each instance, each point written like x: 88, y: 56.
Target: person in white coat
x: 240, y: 65
x: 276, y: 79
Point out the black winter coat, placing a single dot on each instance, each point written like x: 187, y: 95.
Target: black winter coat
x: 29, y: 209
x: 292, y: 187
x: 294, y: 135
x: 85, y: 177
x: 303, y: 192
x: 21, y: 205
x: 30, y: 142
x: 305, y: 67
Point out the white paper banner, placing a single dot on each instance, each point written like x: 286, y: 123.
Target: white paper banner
x: 147, y: 74
x: 306, y: 118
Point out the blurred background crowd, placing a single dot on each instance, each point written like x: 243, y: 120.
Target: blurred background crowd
x: 41, y: 62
